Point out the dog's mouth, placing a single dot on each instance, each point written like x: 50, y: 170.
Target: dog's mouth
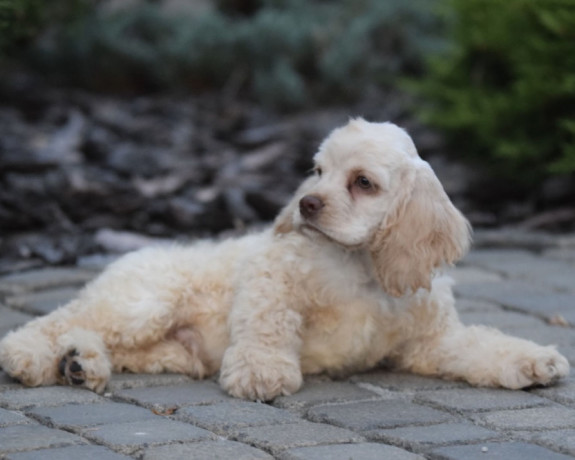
x: 311, y: 230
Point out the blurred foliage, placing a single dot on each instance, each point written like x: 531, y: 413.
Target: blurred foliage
x: 500, y: 83
x: 287, y: 53
x: 504, y: 91
x: 21, y: 21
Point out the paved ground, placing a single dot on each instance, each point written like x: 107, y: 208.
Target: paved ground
x: 377, y: 415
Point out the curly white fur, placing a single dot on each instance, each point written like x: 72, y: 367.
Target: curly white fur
x: 347, y: 276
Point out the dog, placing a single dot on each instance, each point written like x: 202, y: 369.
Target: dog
x: 348, y: 275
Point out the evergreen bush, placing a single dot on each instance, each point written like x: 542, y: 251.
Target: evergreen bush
x: 22, y: 20
x: 504, y: 91
x: 286, y: 53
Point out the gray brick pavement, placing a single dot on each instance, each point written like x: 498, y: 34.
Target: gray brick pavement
x: 503, y: 450
x: 276, y: 438
x: 363, y: 451
x: 72, y: 452
x: 378, y: 414
x: 224, y: 417
x: 132, y: 438
x: 370, y: 415
x: 480, y: 399
x: 16, y: 438
x: 421, y: 438
x: 221, y: 449
x: 73, y: 416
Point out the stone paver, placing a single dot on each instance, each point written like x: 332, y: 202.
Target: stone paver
x: 222, y: 417
x: 481, y: 399
x: 562, y: 439
x: 420, y: 437
x: 400, y: 382
x: 129, y: 438
x: 465, y: 305
x: 363, y: 451
x: 129, y: 381
x: 46, y: 396
x: 504, y: 320
x: 525, y: 265
x: 370, y: 415
x: 550, y: 417
x: 316, y: 392
x: 207, y: 450
x: 73, y: 452
x: 71, y: 416
x: 524, y: 296
x: 8, y: 417
x: 376, y: 414
x: 171, y: 397
x: 563, y: 392
x: 276, y: 438
x: 19, y: 438
x: 506, y: 451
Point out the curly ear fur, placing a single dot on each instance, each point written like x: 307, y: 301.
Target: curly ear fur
x: 423, y: 231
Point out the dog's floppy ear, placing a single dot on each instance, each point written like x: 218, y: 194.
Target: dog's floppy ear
x: 422, y: 231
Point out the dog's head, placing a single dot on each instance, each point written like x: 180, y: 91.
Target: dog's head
x: 371, y: 190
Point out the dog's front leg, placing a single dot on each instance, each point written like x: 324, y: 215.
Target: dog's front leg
x: 263, y: 359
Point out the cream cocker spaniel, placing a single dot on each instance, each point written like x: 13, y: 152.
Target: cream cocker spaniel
x: 347, y: 276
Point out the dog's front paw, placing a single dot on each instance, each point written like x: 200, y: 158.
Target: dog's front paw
x: 90, y: 371
x: 541, y: 366
x: 83, y: 361
x: 259, y: 374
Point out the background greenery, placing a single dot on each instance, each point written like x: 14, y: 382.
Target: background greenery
x: 284, y: 53
x: 504, y: 90
x: 497, y: 78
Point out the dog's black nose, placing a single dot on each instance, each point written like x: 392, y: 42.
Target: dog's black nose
x: 310, y: 205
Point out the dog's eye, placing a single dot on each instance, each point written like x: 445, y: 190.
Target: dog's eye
x: 317, y: 171
x: 363, y: 182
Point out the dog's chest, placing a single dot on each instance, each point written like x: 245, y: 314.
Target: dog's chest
x: 346, y: 332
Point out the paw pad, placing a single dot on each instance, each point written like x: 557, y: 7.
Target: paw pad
x: 70, y: 369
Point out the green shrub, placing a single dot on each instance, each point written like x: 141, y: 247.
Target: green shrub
x: 287, y: 53
x: 504, y: 92
x: 19, y: 20
x: 23, y: 20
